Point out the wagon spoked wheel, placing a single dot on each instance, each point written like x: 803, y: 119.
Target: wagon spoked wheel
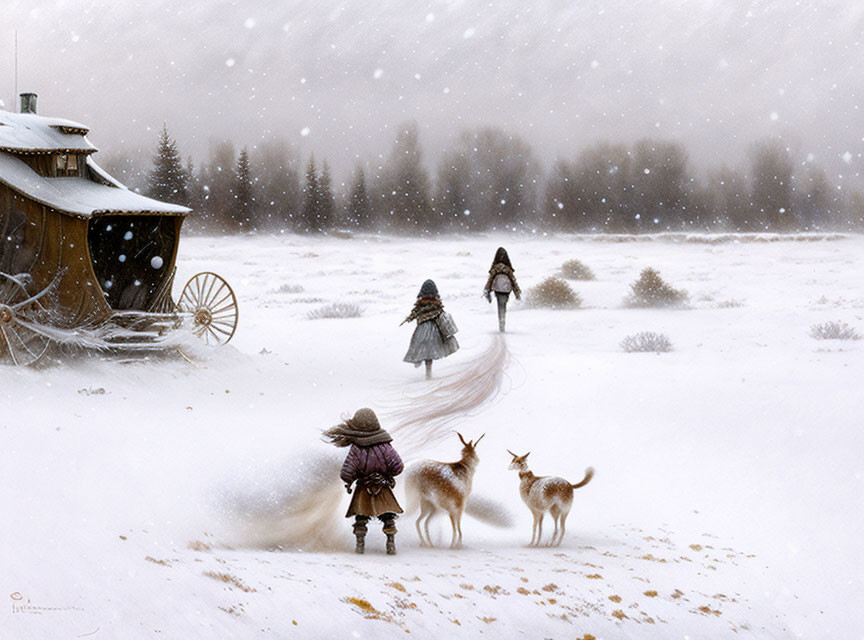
x: 211, y: 303
x: 20, y: 343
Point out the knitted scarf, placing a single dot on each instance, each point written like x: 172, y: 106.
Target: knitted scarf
x: 425, y: 309
x: 345, y: 434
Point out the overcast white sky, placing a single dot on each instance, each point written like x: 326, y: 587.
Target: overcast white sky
x: 713, y: 74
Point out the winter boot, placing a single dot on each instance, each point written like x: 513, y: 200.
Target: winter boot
x: 389, y: 521
x: 360, y: 533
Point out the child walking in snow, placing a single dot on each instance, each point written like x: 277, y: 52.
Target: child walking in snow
x: 372, y: 463
x: 434, y: 336
x: 502, y: 281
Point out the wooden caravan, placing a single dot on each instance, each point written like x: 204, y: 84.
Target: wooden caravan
x: 82, y: 258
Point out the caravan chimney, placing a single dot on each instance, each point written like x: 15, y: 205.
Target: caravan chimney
x: 28, y: 103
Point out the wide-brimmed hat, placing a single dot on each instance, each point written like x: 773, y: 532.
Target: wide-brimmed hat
x: 363, y: 429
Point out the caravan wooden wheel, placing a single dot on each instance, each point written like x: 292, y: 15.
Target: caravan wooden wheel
x: 21, y: 342
x: 212, y: 306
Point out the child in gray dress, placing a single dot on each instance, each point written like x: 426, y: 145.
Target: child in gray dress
x: 434, y: 336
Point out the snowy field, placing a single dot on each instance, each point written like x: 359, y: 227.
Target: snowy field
x: 727, y: 500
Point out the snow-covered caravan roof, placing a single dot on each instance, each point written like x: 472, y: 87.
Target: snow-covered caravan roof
x: 30, y: 133
x: 79, y: 196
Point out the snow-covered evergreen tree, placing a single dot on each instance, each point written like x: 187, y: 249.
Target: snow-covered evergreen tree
x: 405, y: 198
x: 311, y: 198
x: 244, y: 197
x: 773, y: 186
x: 452, y: 209
x: 168, y: 181
x: 326, y: 201
x: 278, y: 192
x: 359, y: 210
x: 219, y: 186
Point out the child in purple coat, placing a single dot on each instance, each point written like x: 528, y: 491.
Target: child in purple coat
x: 373, y: 464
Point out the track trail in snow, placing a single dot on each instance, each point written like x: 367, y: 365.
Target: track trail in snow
x: 301, y: 510
x: 427, y: 419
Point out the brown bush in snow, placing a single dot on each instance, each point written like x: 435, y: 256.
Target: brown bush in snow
x: 576, y: 270
x: 650, y: 290
x: 553, y: 293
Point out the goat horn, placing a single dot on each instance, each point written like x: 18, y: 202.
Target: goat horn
x: 478, y: 440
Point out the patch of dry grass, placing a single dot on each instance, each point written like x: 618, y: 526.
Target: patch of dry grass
x: 834, y: 330
x: 230, y: 580
x: 369, y: 612
x: 646, y: 342
x: 336, y: 310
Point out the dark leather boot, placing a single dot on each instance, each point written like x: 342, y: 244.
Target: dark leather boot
x: 389, y: 522
x: 360, y: 533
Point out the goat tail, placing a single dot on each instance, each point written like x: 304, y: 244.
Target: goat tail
x: 489, y: 511
x: 589, y: 473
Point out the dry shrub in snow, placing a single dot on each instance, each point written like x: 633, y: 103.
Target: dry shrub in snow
x: 336, y: 310
x: 647, y: 341
x: 650, y: 290
x: 289, y: 288
x: 553, y: 293
x: 576, y: 270
x: 730, y: 304
x: 834, y: 330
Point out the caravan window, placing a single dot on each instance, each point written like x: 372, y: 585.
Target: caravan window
x: 66, y: 164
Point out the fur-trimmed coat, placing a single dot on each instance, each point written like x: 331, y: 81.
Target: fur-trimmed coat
x: 501, y: 269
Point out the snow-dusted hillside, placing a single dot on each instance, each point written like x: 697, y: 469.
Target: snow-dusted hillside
x: 728, y: 470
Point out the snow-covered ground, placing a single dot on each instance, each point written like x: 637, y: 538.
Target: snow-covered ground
x: 728, y: 488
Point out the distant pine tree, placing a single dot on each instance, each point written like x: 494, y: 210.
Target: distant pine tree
x: 278, y: 192
x: 196, y: 199
x: 218, y: 188
x: 773, y: 188
x: 359, y: 208
x: 452, y: 209
x: 244, y: 197
x: 406, y: 202
x: 168, y: 180
x: 311, y: 198
x: 327, y: 203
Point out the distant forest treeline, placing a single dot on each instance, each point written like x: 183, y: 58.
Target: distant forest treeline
x: 490, y: 180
